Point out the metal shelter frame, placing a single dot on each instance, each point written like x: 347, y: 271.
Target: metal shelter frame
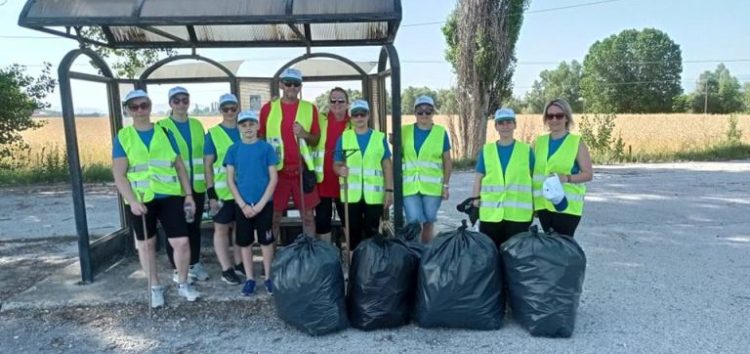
x: 95, y: 256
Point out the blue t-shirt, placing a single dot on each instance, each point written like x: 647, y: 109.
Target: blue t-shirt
x: 208, y: 146
x: 362, y: 140
x: 251, y: 162
x: 555, y: 144
x: 504, y: 152
x: 146, y: 136
x: 184, y: 129
x: 420, y: 135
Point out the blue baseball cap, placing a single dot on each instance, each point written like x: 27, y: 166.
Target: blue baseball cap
x: 424, y: 100
x: 133, y: 95
x: 227, y: 98
x: 248, y: 115
x: 504, y: 114
x: 177, y: 90
x: 359, y: 106
x: 291, y: 74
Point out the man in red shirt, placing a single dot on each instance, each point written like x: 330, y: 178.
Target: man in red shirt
x: 291, y: 126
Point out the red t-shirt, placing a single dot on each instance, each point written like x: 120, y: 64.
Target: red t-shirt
x: 291, y: 148
x: 329, y: 187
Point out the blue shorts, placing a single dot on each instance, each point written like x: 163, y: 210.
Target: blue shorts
x: 421, y: 208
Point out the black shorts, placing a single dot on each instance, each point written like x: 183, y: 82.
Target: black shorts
x: 260, y: 223
x: 226, y: 212
x: 324, y: 214
x: 171, y: 215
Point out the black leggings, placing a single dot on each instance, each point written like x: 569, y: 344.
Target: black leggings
x: 324, y: 214
x: 194, y: 232
x: 565, y: 224
x: 364, y: 220
x: 501, y: 231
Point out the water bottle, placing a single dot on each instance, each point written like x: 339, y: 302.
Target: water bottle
x: 219, y: 205
x: 189, y: 214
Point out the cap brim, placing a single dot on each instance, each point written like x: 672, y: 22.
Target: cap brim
x: 359, y: 110
x: 247, y: 119
x: 291, y: 79
x: 502, y: 119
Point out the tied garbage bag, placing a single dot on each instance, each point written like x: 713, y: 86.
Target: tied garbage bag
x: 459, y: 283
x: 412, y: 236
x: 309, y: 286
x: 545, y: 275
x: 382, y: 281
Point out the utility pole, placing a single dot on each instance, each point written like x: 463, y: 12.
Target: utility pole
x: 705, y: 102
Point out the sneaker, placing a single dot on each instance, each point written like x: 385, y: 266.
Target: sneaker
x: 176, y: 277
x: 239, y: 269
x: 197, y: 271
x: 229, y: 277
x: 187, y: 291
x: 269, y: 286
x: 249, y: 287
x: 157, y: 296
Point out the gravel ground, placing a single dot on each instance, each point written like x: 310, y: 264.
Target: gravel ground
x: 668, y: 265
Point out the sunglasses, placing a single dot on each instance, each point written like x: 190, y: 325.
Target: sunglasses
x: 143, y: 106
x: 359, y: 114
x: 229, y: 109
x: 292, y: 83
x: 558, y: 116
x: 184, y: 100
x: 423, y: 113
x: 338, y: 101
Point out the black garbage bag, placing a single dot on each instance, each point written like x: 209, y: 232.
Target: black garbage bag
x: 545, y: 274
x: 412, y: 236
x: 459, y: 282
x: 382, y: 282
x: 309, y: 286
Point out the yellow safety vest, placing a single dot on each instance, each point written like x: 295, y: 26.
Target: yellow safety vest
x: 423, y: 170
x: 222, y: 142
x: 273, y: 131
x: 509, y: 196
x: 319, y: 152
x: 150, y: 169
x: 365, y: 171
x: 196, y: 136
x: 560, y: 162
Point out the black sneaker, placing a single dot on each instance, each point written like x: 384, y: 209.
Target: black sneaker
x: 229, y: 277
x: 239, y: 269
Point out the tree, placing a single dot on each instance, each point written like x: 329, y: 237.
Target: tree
x: 447, y: 100
x: 410, y: 94
x: 723, y: 90
x: 563, y: 82
x: 20, y: 96
x: 481, y: 37
x: 126, y: 62
x: 632, y: 72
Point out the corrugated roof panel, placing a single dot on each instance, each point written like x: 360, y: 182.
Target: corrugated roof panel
x: 82, y: 8
x: 246, y: 33
x: 344, y: 31
x: 135, y: 34
x: 319, y: 7
x: 177, y: 8
x: 178, y: 31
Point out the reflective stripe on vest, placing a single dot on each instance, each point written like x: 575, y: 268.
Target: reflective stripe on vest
x: 506, y: 196
x: 273, y: 131
x: 196, y: 140
x: 222, y: 142
x: 159, y: 175
x: 319, y: 152
x: 423, y: 170
x: 365, y: 172
x: 560, y: 162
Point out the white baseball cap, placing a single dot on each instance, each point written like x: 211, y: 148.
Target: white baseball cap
x: 247, y: 115
x: 291, y: 74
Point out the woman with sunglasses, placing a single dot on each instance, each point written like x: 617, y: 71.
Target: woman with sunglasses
x: 152, y: 179
x: 217, y: 143
x: 332, y: 125
x: 362, y: 157
x: 562, y: 153
x: 427, y: 167
x: 189, y: 135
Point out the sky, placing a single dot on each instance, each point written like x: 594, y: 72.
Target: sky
x: 708, y: 32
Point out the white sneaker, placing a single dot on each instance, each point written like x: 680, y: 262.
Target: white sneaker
x: 197, y: 271
x: 176, y: 277
x: 157, y: 296
x: 187, y: 291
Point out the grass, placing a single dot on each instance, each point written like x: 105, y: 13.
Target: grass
x: 646, y: 138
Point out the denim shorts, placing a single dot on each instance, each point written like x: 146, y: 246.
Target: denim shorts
x: 421, y: 208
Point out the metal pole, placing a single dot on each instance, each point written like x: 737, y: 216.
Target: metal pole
x: 705, y: 102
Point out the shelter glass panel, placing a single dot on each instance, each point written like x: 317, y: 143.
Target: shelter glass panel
x: 349, y: 31
x: 247, y: 33
x: 316, y: 7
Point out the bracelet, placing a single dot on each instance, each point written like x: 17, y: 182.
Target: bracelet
x: 446, y: 186
x: 388, y: 190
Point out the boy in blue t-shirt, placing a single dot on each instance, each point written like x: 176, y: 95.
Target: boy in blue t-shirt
x: 251, y: 176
